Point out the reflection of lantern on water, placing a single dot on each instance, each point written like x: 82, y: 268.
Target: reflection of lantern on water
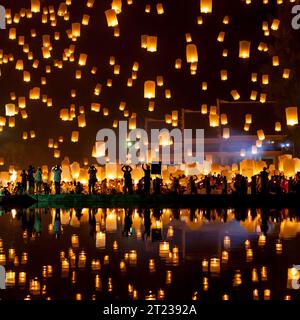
x: 75, y: 241
x: 225, y: 256
x: 170, y: 232
x: 278, y: 246
x: 11, y: 254
x: 98, y: 283
x: 292, y: 278
x: 106, y: 260
x: 215, y: 265
x: 24, y: 258
x: 169, y: 277
x: 115, y: 246
x: 255, y: 294
x: 244, y: 52
x: 82, y: 259
x: 2, y: 259
x: 109, y: 286
x: 96, y: 265
x: 133, y: 258
x: 10, y: 278
x: 150, y: 296
x: 35, y: 287
x: 22, y: 279
x: 237, y: 278
x: 264, y: 273
x: 151, y: 265
x: 262, y: 240
x: 267, y: 294
x: 73, y: 277
x: 206, y: 6
x: 100, y: 240
x: 164, y: 249
x: 254, y: 275
x: 122, y: 266
x: 205, y: 265
x: 111, y: 222
x: 65, y: 265
x: 226, y: 242
x: 249, y: 255
x: 161, y: 294
x: 205, y: 284
x: 291, y: 116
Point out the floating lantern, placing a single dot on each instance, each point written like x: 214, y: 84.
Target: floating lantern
x: 277, y: 126
x: 261, y: 135
x: 214, y: 120
x: 235, y: 94
x: 191, y: 53
x: 151, y: 43
x: 149, y: 89
x: 206, y: 6
x: 10, y: 110
x: 226, y: 133
x: 75, y: 136
x: 111, y: 17
x: 244, y: 52
x: 291, y: 116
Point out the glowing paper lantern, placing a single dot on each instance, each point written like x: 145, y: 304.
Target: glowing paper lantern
x: 206, y: 6
x: 151, y: 43
x: 244, y: 52
x: 291, y: 116
x: 235, y: 94
x: 226, y: 133
x: 75, y: 136
x: 277, y: 126
x: 149, y: 90
x: 191, y: 53
x: 261, y: 135
x: 111, y: 17
x: 10, y: 110
x: 35, y: 6
x: 214, y: 120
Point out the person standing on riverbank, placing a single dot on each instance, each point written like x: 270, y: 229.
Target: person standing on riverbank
x: 57, y: 178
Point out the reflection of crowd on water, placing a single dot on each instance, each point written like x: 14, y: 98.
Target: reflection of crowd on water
x: 31, y: 219
x: 264, y: 182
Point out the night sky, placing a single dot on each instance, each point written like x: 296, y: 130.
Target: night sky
x: 98, y: 41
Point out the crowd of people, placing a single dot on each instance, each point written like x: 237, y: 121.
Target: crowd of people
x: 31, y: 182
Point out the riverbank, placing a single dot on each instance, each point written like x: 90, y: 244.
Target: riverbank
x: 162, y: 201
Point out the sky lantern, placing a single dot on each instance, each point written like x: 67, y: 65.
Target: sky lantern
x: 214, y: 120
x: 160, y: 8
x: 275, y: 61
x: 151, y: 43
x: 81, y: 121
x: 253, y: 95
x: 95, y: 107
x: 235, y: 95
x: 19, y: 65
x: 11, y: 122
x: 75, y: 136
x: 76, y: 29
x: 149, y: 90
x: 178, y: 64
x: 12, y: 34
x: 117, y: 6
x: 275, y: 24
x: 204, y: 109
x: 168, y: 94
x: 82, y: 59
x: 221, y: 36
x: 2, y: 121
x: 224, y: 75
x: 278, y: 127
x: 291, y: 116
x: 10, y: 110
x: 206, y: 6
x: 261, y: 135
x: 248, y: 118
x: 35, y: 6
x: 226, y: 133
x: 191, y: 53
x: 224, y: 119
x: 244, y: 52
x: 286, y: 74
x: 22, y: 102
x: 151, y: 106
x: 111, y: 17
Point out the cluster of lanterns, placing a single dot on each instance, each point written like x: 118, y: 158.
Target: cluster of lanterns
x: 59, y: 48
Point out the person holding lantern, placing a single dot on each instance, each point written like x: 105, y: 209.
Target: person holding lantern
x: 92, y: 179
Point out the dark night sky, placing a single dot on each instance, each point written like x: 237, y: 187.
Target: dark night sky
x: 98, y: 42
